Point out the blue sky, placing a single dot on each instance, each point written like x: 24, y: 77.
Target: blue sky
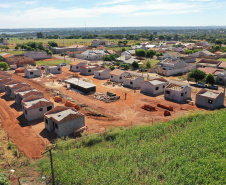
x: 111, y: 13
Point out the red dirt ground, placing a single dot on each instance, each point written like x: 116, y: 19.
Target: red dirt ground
x: 31, y: 138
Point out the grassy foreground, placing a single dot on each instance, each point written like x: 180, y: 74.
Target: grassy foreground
x: 189, y: 150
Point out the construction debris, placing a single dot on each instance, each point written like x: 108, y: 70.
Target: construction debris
x: 170, y: 108
x: 111, y: 94
x: 57, y: 99
x: 167, y: 113
x: 106, y: 98
x: 70, y: 104
x: 148, y: 108
x: 94, y: 114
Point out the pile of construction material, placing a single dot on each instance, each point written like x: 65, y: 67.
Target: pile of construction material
x: 170, y: 108
x: 148, y: 108
x: 73, y: 105
x: 167, y: 113
x: 107, y: 98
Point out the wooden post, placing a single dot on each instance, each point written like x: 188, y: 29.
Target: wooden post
x: 51, y: 162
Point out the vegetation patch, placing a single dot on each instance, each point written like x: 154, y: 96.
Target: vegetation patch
x: 52, y: 62
x: 188, y: 150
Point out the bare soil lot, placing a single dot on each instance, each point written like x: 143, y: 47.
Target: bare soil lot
x: 32, y: 138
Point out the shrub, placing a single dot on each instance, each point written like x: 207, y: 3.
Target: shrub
x: 4, y: 65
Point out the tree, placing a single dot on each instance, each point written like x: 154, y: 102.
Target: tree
x: 112, y: 68
x: 140, y: 53
x: 175, y: 37
x: 217, y: 48
x: 125, y: 42
x: 188, y: 51
x: 210, y: 79
x: 151, y: 37
x: 123, y: 49
x: 40, y: 35
x: 1, y: 58
x: 52, y: 44
x: 218, y: 42
x: 16, y: 48
x: 148, y: 64
x: 124, y: 66
x: 150, y: 53
x: 197, y: 75
x: 118, y: 63
x: 4, y: 65
x: 135, y: 65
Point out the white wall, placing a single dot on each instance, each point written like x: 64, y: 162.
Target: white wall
x: 148, y: 88
x: 118, y: 78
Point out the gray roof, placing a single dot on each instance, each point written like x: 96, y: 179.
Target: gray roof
x: 80, y: 83
x: 63, y: 114
x: 156, y: 82
x: 128, y: 61
x: 25, y: 92
x: 210, y: 94
x: 33, y: 102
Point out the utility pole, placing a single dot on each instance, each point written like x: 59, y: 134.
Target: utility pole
x: 64, y: 49
x: 51, y: 162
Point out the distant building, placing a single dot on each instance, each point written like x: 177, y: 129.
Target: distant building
x: 63, y: 121
x: 127, y: 59
x: 202, y: 54
x: 37, y: 55
x: 64, y: 50
x: 208, y: 63
x: 53, y: 69
x: 97, y: 42
x: 4, y: 42
x: 32, y: 72
x: 209, y: 99
x: 76, y: 65
x: 92, y: 55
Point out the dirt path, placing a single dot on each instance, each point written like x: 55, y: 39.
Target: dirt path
x: 20, y: 133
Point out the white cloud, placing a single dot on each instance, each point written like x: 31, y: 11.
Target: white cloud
x: 55, y: 17
x: 114, y: 2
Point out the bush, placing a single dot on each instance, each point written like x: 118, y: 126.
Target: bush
x: 210, y: 79
x: 4, y: 65
x: 140, y: 52
x: 3, y: 179
x: 112, y: 68
x: 150, y: 53
x: 148, y: 64
x: 135, y: 65
x: 197, y: 75
x: 125, y: 66
x: 118, y: 63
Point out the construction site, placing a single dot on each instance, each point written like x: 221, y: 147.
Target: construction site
x: 110, y: 106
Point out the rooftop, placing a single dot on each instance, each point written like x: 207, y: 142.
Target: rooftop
x: 41, y: 102
x: 80, y: 83
x: 156, y: 82
x: 176, y: 87
x: 117, y: 72
x: 209, y: 94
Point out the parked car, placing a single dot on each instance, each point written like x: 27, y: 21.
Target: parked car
x: 42, y: 68
x: 215, y: 87
x: 63, y: 64
x: 200, y: 84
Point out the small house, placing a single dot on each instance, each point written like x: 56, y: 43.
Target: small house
x: 87, y: 70
x: 118, y: 75
x: 82, y: 86
x: 76, y: 65
x: 154, y: 87
x: 102, y: 74
x: 203, y: 54
x: 177, y: 93
x: 3, y: 81
x: 25, y: 92
x: 209, y: 99
x: 8, y: 84
x: 221, y: 78
x: 172, y: 55
x: 32, y: 72
x: 133, y: 81
x: 11, y: 88
x: 53, y: 69
x: 34, y: 107
x: 63, y: 121
x: 208, y: 63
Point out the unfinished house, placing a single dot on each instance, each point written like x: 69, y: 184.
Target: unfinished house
x: 87, y: 70
x: 203, y: 54
x: 3, y: 81
x: 209, y: 99
x: 102, y: 74
x: 63, y: 121
x: 172, y: 55
x: 9, y: 83
x: 76, y: 65
x: 81, y: 86
x: 154, y: 87
x: 133, y: 81
x: 127, y: 59
x: 34, y: 107
x: 32, y: 72
x: 53, y: 69
x: 37, y: 55
x: 25, y: 92
x: 118, y: 75
x: 4, y: 74
x: 208, y: 63
x: 20, y: 61
x: 170, y: 67
x: 177, y: 93
x: 11, y: 88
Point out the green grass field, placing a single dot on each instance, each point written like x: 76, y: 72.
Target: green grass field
x: 67, y: 42
x: 222, y: 59
x: 52, y: 63
x: 189, y: 150
x: 13, y: 52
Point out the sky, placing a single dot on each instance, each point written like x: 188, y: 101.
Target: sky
x: 110, y: 13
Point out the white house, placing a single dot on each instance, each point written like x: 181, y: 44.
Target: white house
x: 91, y: 55
x: 10, y: 89
x: 154, y: 87
x: 172, y: 55
x: 209, y: 99
x: 102, y: 74
x: 133, y: 81
x: 76, y: 65
x: 32, y: 72
x: 53, y: 69
x: 63, y: 121
x: 118, y: 75
x: 3, y: 81
x: 34, y: 107
x: 87, y: 70
x: 177, y: 93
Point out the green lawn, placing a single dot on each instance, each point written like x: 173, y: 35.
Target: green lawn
x: 188, y: 150
x: 222, y: 59
x: 52, y: 63
x: 13, y: 52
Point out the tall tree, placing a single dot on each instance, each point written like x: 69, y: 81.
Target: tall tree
x: 40, y: 35
x: 197, y: 75
x: 210, y: 79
